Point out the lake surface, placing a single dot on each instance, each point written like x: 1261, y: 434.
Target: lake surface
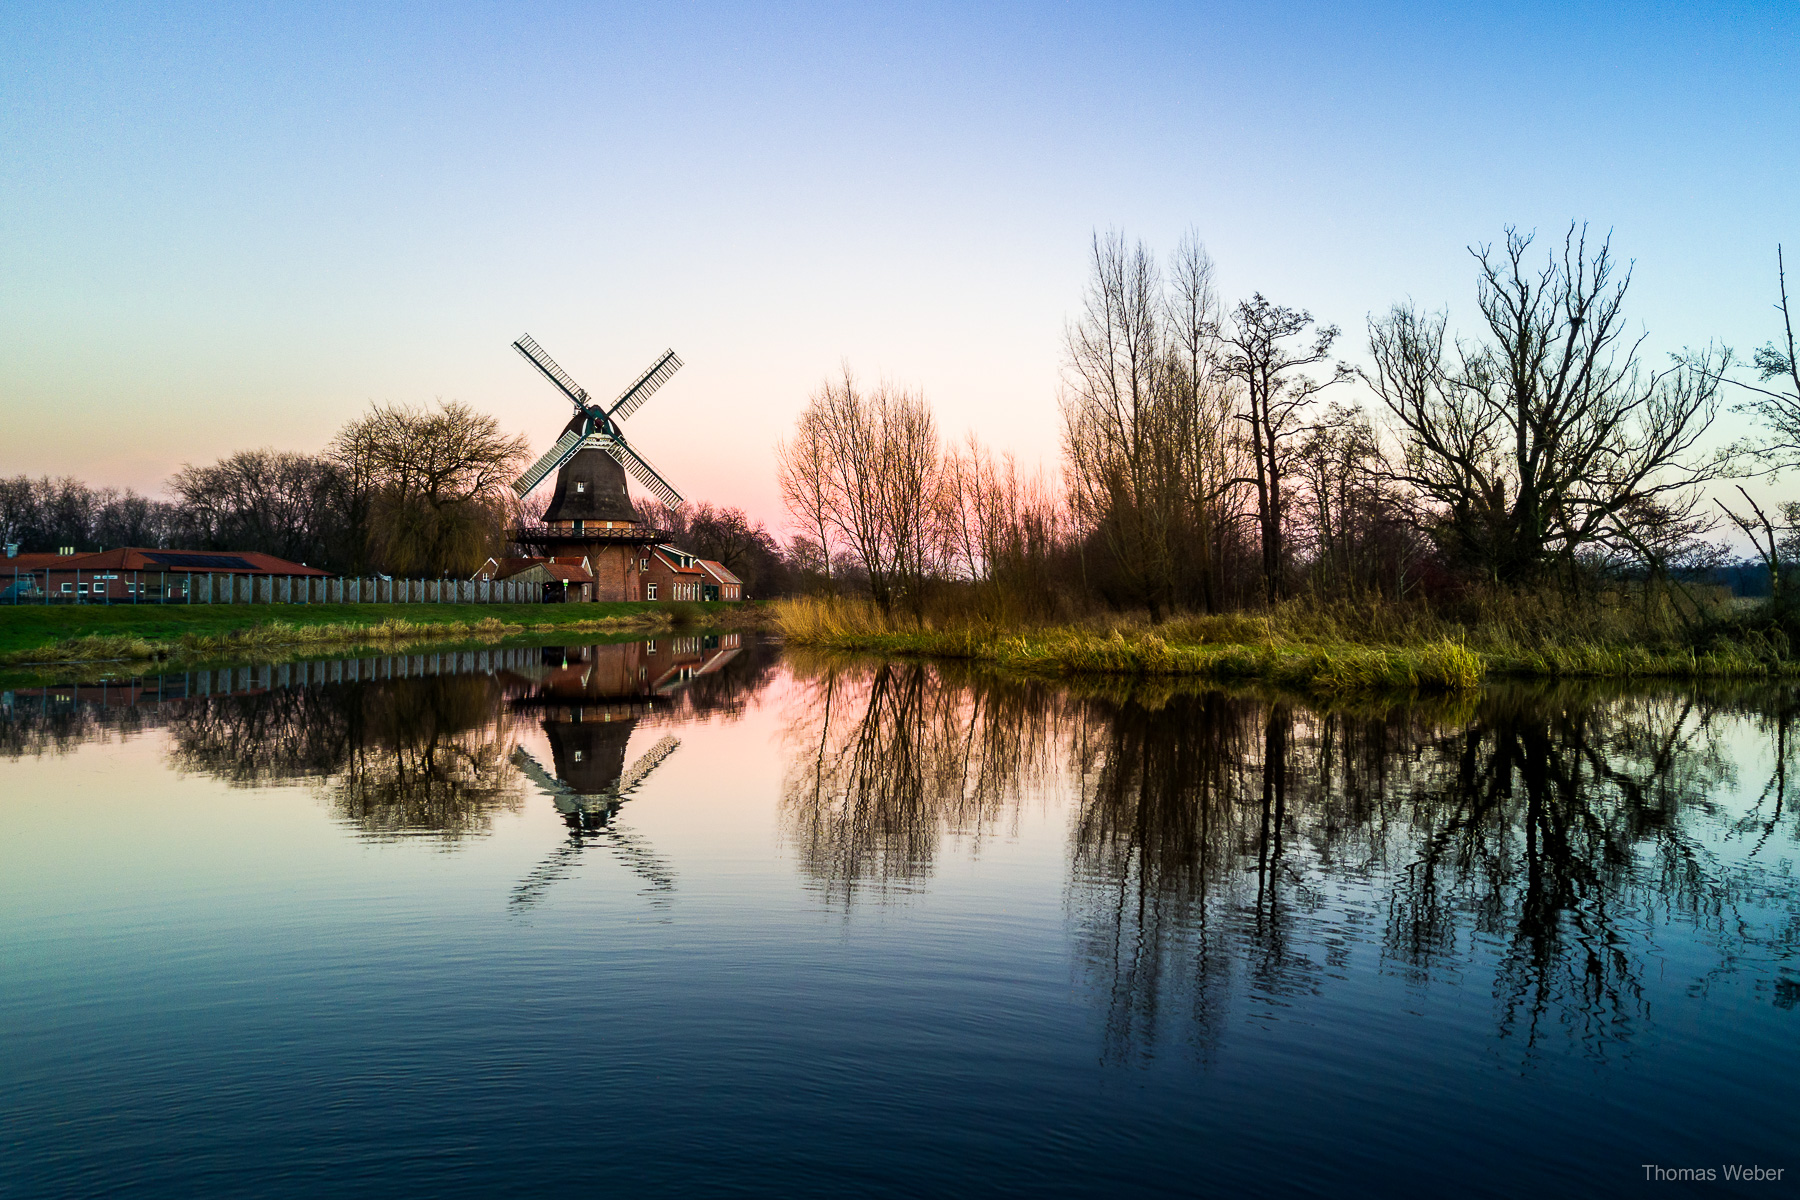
x: 701, y: 916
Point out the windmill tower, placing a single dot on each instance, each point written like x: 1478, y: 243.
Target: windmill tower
x: 590, y: 514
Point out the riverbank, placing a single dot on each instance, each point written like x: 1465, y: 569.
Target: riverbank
x: 32, y: 635
x: 1324, y: 652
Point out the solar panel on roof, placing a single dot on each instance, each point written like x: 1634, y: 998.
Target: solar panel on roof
x: 220, y: 562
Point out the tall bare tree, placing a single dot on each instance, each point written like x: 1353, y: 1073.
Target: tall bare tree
x: 1202, y: 401
x: 802, y: 467
x: 1264, y: 356
x: 1004, y: 528
x: 276, y: 501
x: 1147, y: 424
x: 1113, y: 421
x: 1355, y: 530
x: 1543, y: 438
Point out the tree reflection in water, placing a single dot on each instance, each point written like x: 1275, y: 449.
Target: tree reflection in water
x: 416, y: 756
x: 884, y: 760
x: 1234, y: 847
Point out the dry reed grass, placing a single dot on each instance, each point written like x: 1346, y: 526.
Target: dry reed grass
x: 1248, y: 651
x: 1336, y: 647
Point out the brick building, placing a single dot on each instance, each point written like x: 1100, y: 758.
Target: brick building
x: 671, y: 574
x: 720, y: 583
x: 134, y: 575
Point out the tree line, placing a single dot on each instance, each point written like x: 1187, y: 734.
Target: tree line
x: 1222, y: 456
x: 402, y: 490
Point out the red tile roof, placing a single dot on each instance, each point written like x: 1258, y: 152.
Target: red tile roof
x: 720, y: 571
x: 175, y: 562
x: 568, y: 572
x: 669, y: 556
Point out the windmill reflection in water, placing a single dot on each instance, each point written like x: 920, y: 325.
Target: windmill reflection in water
x: 592, y: 698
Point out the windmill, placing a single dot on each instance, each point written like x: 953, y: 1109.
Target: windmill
x: 596, y: 427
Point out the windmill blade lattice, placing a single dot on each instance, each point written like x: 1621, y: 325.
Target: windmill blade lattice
x: 646, y: 763
x: 596, y: 427
x: 556, y: 456
x: 646, y: 474
x: 633, y: 397
x: 535, y: 355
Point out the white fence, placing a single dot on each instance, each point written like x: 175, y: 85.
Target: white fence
x: 292, y: 589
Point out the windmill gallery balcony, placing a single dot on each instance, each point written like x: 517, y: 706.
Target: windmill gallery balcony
x: 565, y: 533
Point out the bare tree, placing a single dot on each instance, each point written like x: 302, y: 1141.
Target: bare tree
x: 1540, y: 440
x: 803, y: 469
x: 1148, y: 425
x: 1202, y: 401
x: 876, y: 477
x: 745, y: 547
x: 1004, y: 528
x: 279, y: 502
x: 47, y: 514
x: 1765, y: 538
x: 1112, y: 418
x: 1262, y: 356
x: 910, y: 490
x: 1355, y: 528
x: 437, y: 478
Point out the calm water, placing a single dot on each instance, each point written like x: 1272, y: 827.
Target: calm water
x: 699, y: 917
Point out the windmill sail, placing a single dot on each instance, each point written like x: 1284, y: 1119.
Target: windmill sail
x: 651, y: 759
x: 534, y: 771
x: 633, y: 397
x: 534, y: 354
x: 646, y: 474
x: 601, y: 424
x: 556, y: 456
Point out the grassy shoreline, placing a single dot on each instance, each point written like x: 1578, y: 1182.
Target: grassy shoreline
x: 1300, y: 651
x: 36, y: 636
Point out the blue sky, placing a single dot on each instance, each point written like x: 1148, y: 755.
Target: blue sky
x: 235, y: 226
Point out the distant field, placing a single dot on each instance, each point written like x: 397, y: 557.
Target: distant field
x: 27, y: 627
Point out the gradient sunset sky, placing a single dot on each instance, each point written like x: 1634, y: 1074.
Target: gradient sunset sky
x: 236, y: 226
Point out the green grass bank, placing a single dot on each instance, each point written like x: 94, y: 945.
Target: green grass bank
x: 1335, y: 650
x: 54, y: 634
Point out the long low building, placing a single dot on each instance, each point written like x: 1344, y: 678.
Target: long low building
x: 131, y: 573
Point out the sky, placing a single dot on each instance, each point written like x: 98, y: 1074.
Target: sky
x: 233, y: 226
